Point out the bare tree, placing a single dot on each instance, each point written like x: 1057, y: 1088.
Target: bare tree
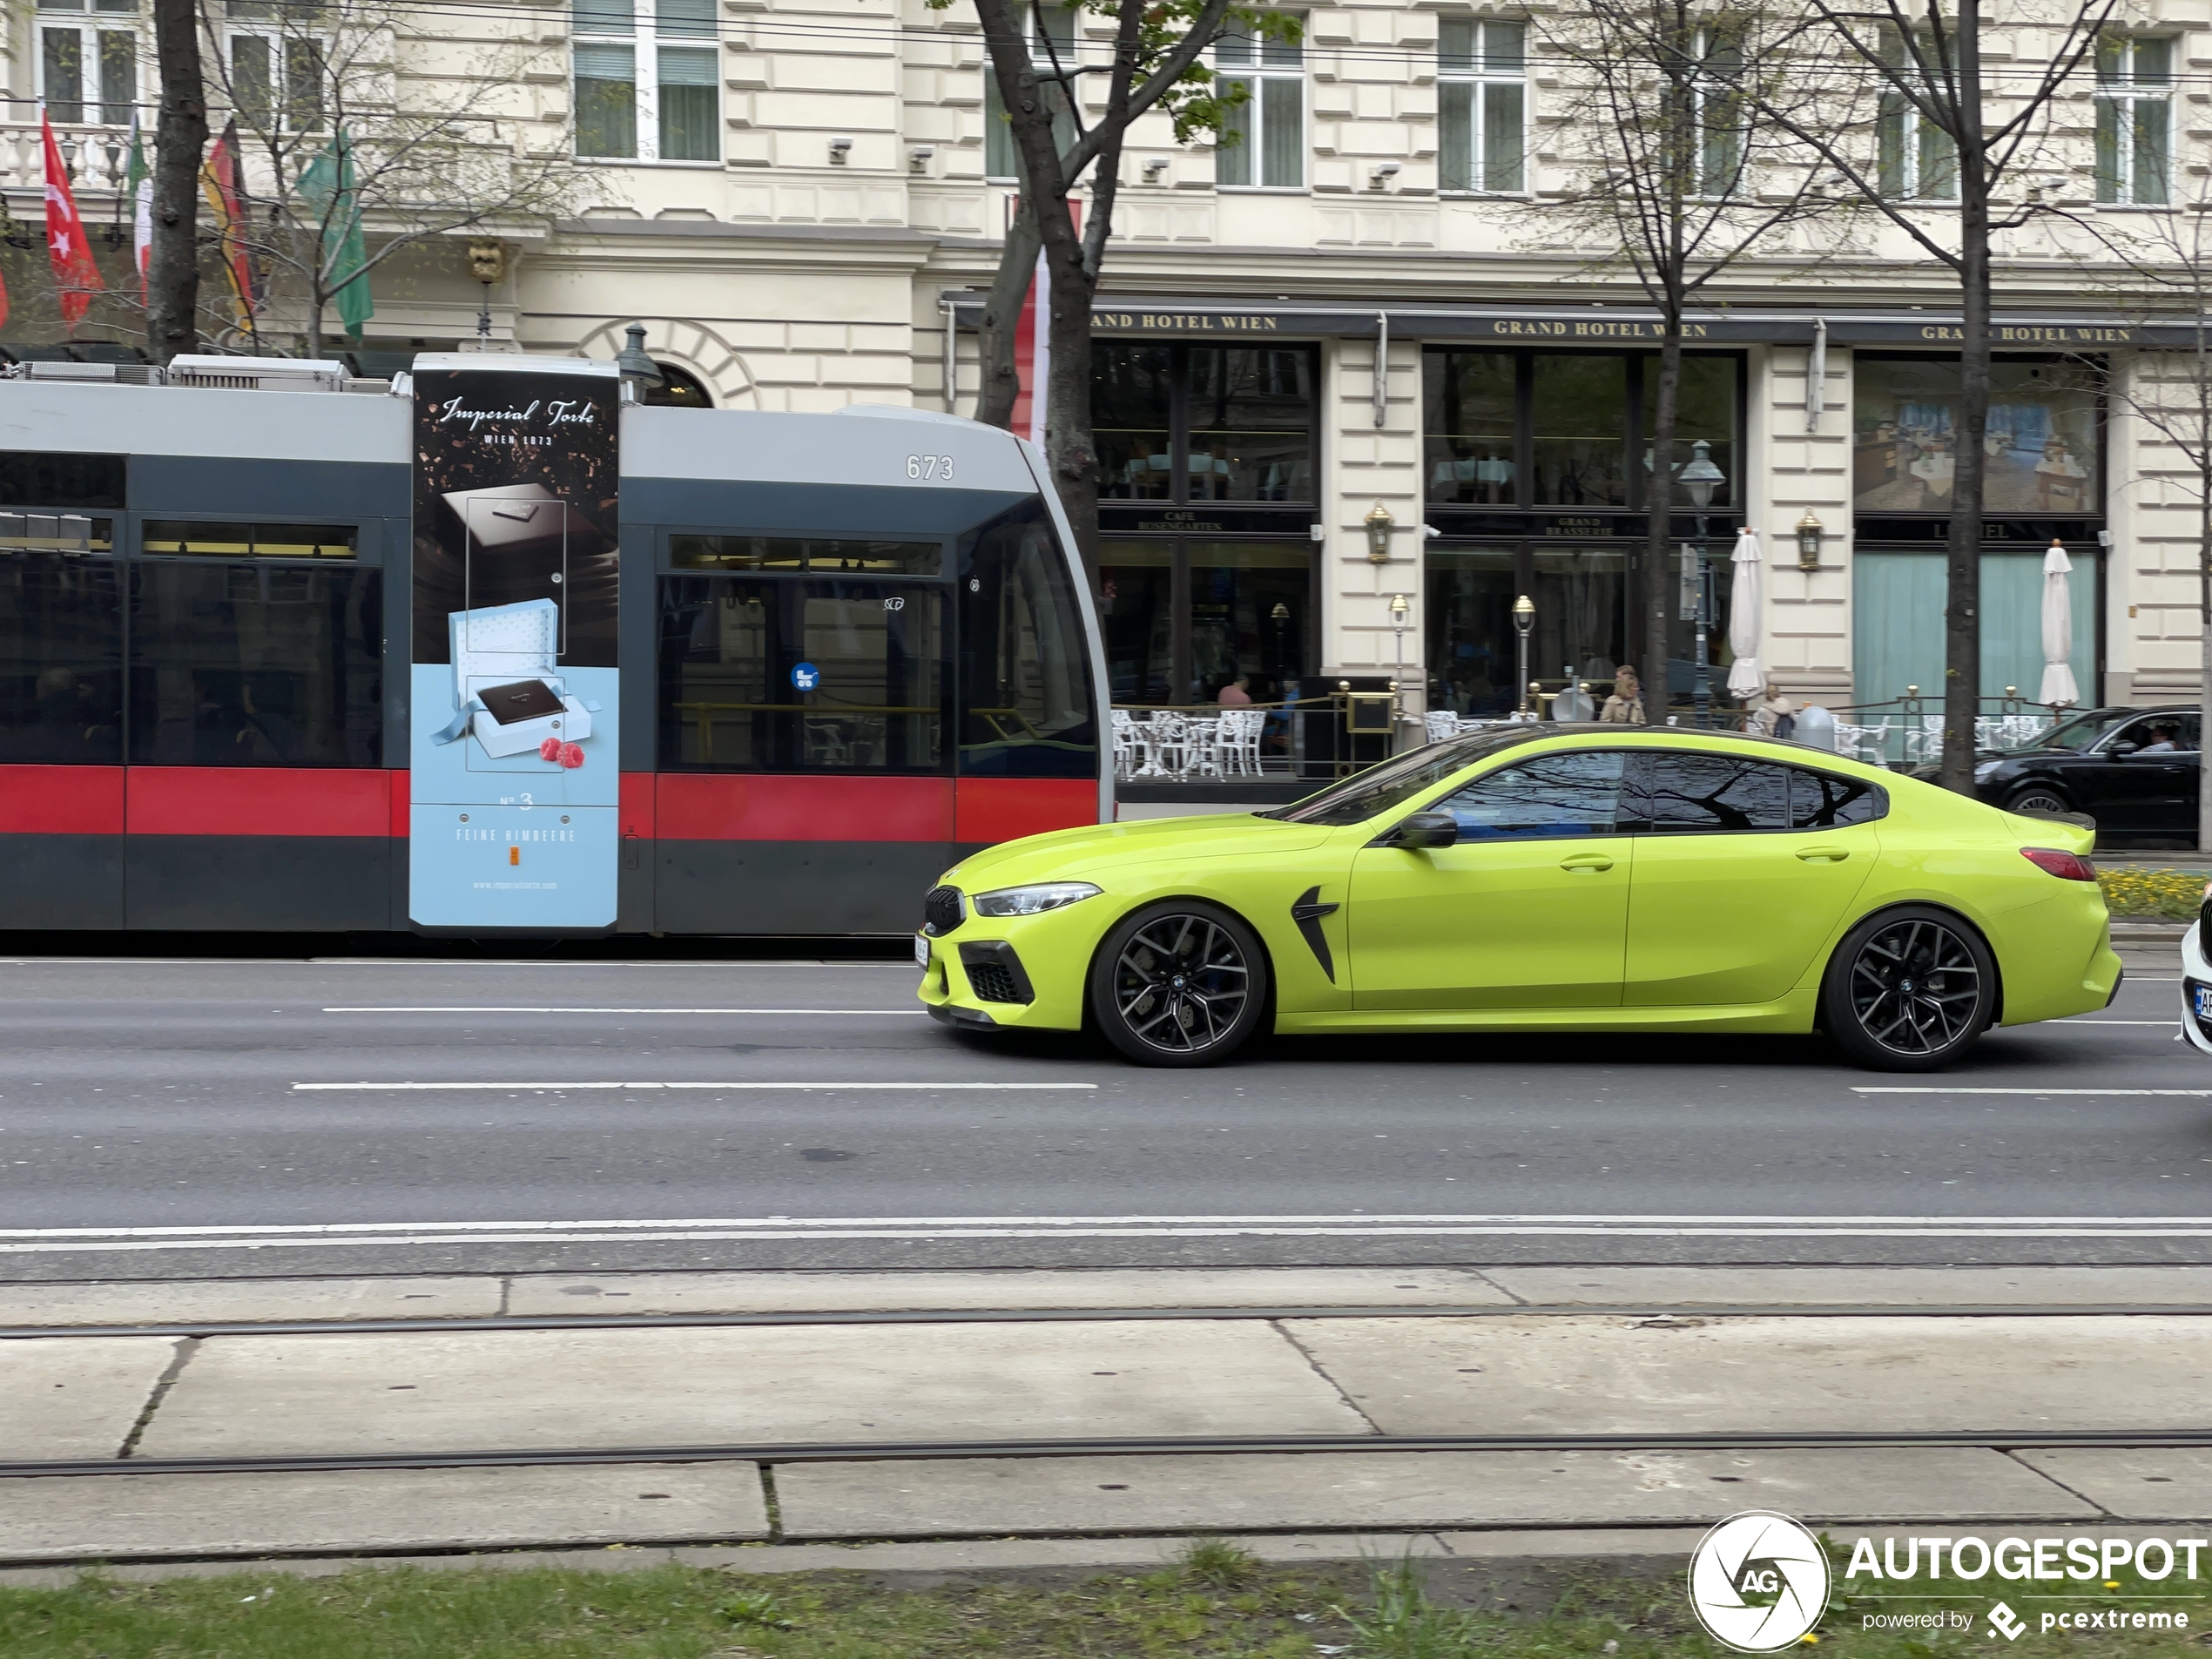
x: 1679, y: 186
x: 350, y: 163
x: 1927, y: 64
x: 180, y: 134
x: 1154, y: 63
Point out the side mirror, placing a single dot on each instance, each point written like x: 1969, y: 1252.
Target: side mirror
x: 1427, y: 829
x: 2121, y: 751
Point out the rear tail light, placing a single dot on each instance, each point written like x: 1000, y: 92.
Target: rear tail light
x: 2067, y: 867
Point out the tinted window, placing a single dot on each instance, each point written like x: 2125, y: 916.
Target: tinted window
x: 31, y: 479
x: 1686, y: 795
x: 61, y: 662
x: 235, y: 541
x: 1822, y: 800
x: 1026, y: 702
x: 800, y: 676
x: 2172, y: 730
x: 1561, y: 794
x: 1384, y: 786
x: 787, y: 553
x: 255, y: 665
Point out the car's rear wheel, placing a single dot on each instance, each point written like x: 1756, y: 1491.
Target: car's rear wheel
x: 1179, y: 983
x: 2039, y: 798
x: 1909, y: 990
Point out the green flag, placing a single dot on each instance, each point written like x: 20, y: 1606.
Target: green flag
x: 327, y: 187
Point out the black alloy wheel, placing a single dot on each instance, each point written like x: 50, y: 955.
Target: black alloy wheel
x: 2040, y: 798
x: 1909, y: 990
x: 1180, y: 983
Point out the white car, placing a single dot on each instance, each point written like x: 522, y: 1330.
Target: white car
x: 2196, y: 983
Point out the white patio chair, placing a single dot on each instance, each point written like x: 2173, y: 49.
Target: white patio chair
x: 1441, y: 724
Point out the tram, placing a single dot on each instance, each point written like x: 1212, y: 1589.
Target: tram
x: 499, y: 651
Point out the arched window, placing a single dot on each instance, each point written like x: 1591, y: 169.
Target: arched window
x: 679, y: 390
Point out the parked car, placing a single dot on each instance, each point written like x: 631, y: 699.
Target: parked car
x: 2135, y: 771
x: 1539, y: 878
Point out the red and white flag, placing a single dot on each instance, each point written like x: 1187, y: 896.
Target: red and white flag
x: 67, y: 246
x: 1033, y: 344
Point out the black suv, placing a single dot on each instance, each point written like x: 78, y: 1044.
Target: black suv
x: 2135, y: 771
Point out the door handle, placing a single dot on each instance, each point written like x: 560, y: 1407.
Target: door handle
x: 1833, y: 855
x: 1586, y: 861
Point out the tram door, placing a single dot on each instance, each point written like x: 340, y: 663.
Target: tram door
x: 515, y: 783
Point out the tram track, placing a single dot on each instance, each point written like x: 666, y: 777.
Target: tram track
x: 1122, y: 1445
x: 1669, y: 1313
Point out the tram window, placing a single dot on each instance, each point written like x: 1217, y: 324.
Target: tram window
x: 255, y: 665
x: 61, y: 662
x: 76, y: 534
x: 808, y: 676
x: 236, y: 540
x: 740, y: 553
x: 38, y: 478
x: 1027, y: 708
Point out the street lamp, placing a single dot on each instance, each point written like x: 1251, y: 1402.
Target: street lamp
x: 1380, y: 525
x: 1698, y: 477
x: 1399, y: 610
x: 1524, y: 619
x: 637, y: 368
x: 487, y: 263
x: 1809, y: 541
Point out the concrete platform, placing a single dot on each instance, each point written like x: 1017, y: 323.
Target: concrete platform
x: 1355, y: 1490
x: 75, y: 1396
x: 122, y: 1516
x: 1899, y: 1287
x: 1557, y: 1374
x: 2148, y: 1484
x: 435, y: 1391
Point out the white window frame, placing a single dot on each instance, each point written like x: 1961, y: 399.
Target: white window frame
x: 2125, y: 98
x: 645, y: 41
x: 1898, y: 124
x: 1479, y: 71
x: 87, y: 20
x: 1702, y: 91
x: 1068, y: 48
x: 1249, y: 60
x: 270, y: 26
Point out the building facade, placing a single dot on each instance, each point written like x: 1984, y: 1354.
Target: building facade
x: 1352, y: 356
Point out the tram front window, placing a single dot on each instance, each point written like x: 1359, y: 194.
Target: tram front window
x: 1027, y: 708
x: 263, y: 664
x: 800, y: 676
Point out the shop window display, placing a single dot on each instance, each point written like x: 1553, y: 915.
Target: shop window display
x: 2041, y: 446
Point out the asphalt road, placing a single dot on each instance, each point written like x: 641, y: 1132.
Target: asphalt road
x: 139, y: 1096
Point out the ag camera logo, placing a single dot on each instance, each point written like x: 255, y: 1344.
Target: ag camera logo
x: 1758, y: 1581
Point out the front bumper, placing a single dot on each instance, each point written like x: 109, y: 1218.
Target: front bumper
x: 1025, y: 972
x: 2197, y: 975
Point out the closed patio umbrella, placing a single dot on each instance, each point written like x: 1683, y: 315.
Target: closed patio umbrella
x: 2058, y: 690
x: 1745, y: 678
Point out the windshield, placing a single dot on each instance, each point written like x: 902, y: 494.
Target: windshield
x: 2082, y: 730
x: 1399, y: 778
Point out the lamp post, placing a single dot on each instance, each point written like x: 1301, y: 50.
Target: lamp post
x: 1701, y: 685
x: 1698, y: 477
x: 1399, y: 610
x: 637, y: 368
x: 487, y: 263
x: 1524, y: 619
x: 1809, y: 530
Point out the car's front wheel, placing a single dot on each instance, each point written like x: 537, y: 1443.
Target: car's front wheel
x: 1179, y: 983
x: 1909, y: 990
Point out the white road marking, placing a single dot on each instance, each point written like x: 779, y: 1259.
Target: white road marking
x: 381, y: 1088
x: 1899, y: 1088
x: 418, y: 1234
x: 443, y: 1009
x: 2078, y: 1019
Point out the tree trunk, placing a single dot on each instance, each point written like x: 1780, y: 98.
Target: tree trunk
x: 1962, y: 600
x: 1658, y: 591
x: 1070, y: 445
x: 998, y: 384
x: 180, y: 136
x: 2204, y: 629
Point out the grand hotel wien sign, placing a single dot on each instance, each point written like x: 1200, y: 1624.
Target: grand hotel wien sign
x: 1603, y: 326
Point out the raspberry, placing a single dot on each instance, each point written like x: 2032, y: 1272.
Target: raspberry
x: 571, y: 756
x: 549, y: 749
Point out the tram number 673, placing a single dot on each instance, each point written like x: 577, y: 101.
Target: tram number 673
x: 928, y: 466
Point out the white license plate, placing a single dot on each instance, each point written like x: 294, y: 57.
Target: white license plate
x: 921, y: 956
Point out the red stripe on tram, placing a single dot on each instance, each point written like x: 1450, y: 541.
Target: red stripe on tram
x: 1005, y: 809
x: 258, y: 801
x: 61, y: 800
x: 727, y: 806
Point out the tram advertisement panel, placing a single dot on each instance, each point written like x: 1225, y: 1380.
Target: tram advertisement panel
x: 514, y: 786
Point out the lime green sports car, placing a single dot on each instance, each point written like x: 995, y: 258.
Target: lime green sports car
x: 1540, y: 877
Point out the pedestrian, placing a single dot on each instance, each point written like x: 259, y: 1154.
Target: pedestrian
x: 1774, y: 714
x: 1235, y: 694
x: 1625, y: 706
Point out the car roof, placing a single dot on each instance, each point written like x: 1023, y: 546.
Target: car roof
x: 1531, y: 731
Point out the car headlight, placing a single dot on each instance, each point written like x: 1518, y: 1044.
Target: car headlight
x: 1983, y: 771
x: 1031, y: 901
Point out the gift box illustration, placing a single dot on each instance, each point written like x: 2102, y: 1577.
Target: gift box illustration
x: 506, y: 689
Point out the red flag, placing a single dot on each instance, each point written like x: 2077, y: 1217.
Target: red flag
x: 218, y: 180
x: 67, y: 246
